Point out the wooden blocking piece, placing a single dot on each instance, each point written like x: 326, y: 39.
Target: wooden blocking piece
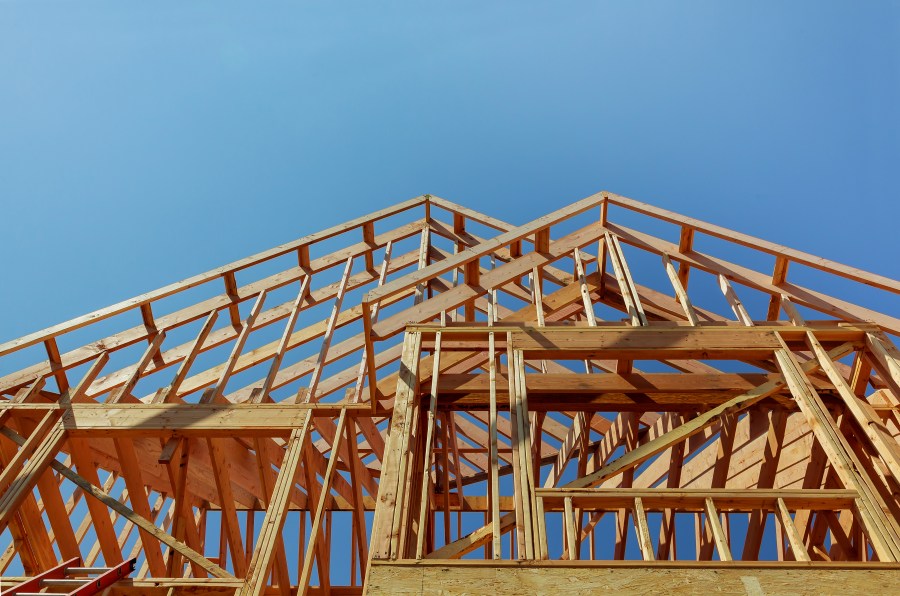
x: 368, y: 234
x: 542, y: 240
x: 685, y: 245
x: 779, y: 276
x: 231, y: 290
x: 55, y: 360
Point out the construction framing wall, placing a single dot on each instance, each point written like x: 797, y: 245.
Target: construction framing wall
x: 428, y: 398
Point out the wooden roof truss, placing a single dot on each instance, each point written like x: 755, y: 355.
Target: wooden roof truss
x: 429, y: 387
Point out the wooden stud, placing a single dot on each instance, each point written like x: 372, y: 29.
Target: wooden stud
x: 429, y: 447
x: 798, y: 549
x: 715, y: 524
x: 494, y: 475
x: 569, y: 519
x: 643, y: 531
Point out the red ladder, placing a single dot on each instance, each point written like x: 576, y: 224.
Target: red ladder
x: 61, y: 576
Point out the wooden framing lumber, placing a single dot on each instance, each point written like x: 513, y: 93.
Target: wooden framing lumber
x: 19, y: 477
x: 508, y: 426
x: 678, y: 434
x: 270, y: 530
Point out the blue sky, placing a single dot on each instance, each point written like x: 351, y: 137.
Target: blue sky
x: 144, y: 143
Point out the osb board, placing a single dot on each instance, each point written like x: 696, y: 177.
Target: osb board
x: 498, y: 581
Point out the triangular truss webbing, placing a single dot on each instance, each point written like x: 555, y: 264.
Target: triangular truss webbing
x: 428, y: 383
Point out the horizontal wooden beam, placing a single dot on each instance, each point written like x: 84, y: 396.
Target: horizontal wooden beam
x: 647, y: 343
x: 206, y: 420
x: 612, y: 392
x: 683, y: 499
x: 592, y: 384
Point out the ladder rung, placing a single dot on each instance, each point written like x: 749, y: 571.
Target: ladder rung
x: 52, y: 583
x: 59, y: 577
x: 83, y: 570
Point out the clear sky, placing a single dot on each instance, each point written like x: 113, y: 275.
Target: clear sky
x: 142, y: 143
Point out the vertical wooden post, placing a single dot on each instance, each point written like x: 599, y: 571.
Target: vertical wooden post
x: 385, y: 525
